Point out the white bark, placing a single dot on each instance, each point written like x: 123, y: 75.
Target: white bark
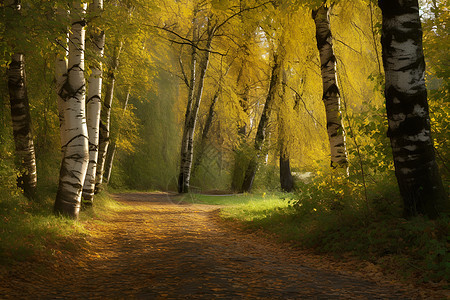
x: 93, y: 106
x: 331, y: 97
x: 187, y: 151
x: 20, y: 113
x: 409, y: 130
x: 21, y: 121
x: 76, y: 154
x: 105, y: 119
x: 61, y: 78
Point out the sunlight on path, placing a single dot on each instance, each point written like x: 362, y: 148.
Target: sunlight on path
x: 157, y: 249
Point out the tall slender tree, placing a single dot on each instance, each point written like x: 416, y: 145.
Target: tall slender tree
x: 187, y: 151
x: 331, y: 98
x: 407, y: 109
x: 286, y: 179
x: 263, y: 122
x: 105, y: 117
x: 76, y: 153
x: 113, y: 147
x: 93, y: 104
x: 20, y: 114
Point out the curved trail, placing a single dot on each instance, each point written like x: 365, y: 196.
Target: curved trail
x: 157, y: 249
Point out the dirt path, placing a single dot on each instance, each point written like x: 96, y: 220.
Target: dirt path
x: 158, y: 249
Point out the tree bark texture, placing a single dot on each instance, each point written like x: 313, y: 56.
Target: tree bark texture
x: 286, y: 179
x: 191, y: 87
x: 262, y: 126
x: 407, y: 109
x: 187, y: 151
x: 21, y: 121
x: 112, y: 148
x: 61, y: 77
x: 93, y: 106
x: 109, y: 162
x: 105, y: 119
x: 76, y: 154
x: 240, y: 164
x: 206, y: 128
x: 331, y: 98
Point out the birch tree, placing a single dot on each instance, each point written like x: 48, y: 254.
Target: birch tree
x: 21, y: 119
x: 76, y: 151
x: 407, y: 109
x: 187, y: 150
x: 331, y: 98
x: 113, y: 147
x: 20, y: 114
x: 105, y: 118
x: 62, y: 14
x: 93, y: 105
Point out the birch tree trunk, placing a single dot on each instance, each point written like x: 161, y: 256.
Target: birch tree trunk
x: 206, y: 128
x: 407, y: 109
x: 262, y: 126
x: 25, y: 159
x: 191, y: 87
x: 76, y: 153
x: 21, y: 121
x: 105, y: 118
x: 112, y: 148
x: 61, y: 78
x: 109, y: 162
x: 331, y: 98
x: 93, y: 106
x: 187, y: 150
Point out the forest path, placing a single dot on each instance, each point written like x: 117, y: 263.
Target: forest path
x: 156, y: 248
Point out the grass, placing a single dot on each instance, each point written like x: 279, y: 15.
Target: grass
x: 29, y: 229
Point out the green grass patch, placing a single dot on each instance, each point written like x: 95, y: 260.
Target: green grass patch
x: 29, y: 229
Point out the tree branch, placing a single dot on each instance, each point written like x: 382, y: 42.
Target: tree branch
x: 239, y: 12
x: 304, y: 104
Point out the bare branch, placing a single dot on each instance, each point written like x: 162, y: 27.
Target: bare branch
x: 347, y: 46
x: 304, y: 104
x: 185, y: 79
x: 198, y: 48
x: 240, y: 12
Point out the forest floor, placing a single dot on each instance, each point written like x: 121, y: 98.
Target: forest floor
x: 156, y: 247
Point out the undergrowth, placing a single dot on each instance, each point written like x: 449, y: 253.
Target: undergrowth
x: 339, y: 221
x: 29, y: 229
